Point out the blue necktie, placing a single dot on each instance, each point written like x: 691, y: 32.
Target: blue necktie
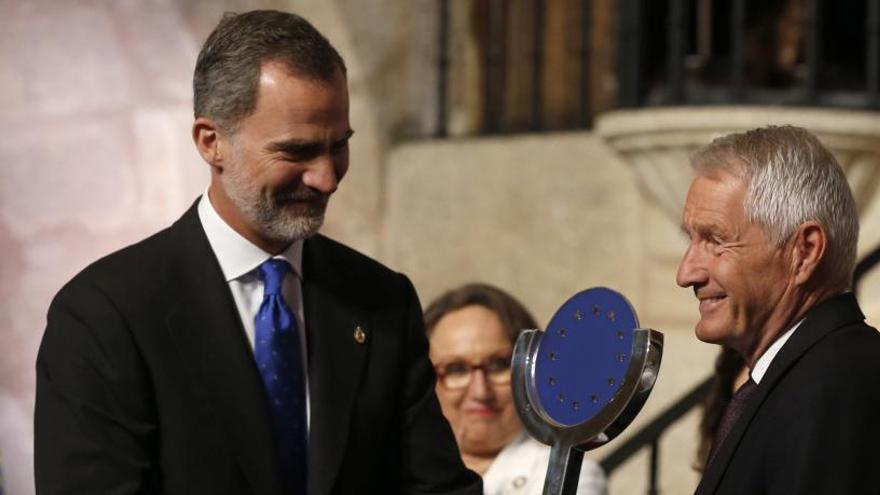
x: 278, y: 353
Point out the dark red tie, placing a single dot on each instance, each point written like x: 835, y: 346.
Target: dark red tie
x: 731, y: 413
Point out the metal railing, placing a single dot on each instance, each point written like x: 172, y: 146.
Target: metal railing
x: 650, y: 434
x: 669, y: 52
x: 817, y: 40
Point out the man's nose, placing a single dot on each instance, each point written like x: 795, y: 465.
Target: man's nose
x: 692, y: 269
x: 321, y: 175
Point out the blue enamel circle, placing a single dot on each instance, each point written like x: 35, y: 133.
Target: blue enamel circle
x: 584, y: 354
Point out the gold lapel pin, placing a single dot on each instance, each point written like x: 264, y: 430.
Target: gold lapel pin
x: 359, y: 335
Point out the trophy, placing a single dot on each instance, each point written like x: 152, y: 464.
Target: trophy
x: 581, y: 382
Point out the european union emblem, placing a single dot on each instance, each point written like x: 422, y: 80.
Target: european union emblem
x: 580, y: 382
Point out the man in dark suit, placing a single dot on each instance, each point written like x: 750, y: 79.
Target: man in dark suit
x: 237, y: 351
x: 773, y: 229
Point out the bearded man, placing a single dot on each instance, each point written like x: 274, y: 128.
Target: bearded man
x: 238, y: 351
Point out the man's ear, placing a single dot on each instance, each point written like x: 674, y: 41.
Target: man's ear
x: 810, y: 242
x: 206, y: 136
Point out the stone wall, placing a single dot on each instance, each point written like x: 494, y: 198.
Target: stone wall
x: 94, y: 154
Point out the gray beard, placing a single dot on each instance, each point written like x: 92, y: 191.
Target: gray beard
x: 272, y: 221
x: 268, y: 215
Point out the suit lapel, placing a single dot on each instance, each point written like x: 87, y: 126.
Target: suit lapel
x: 819, y: 322
x: 207, y: 330
x: 336, y: 360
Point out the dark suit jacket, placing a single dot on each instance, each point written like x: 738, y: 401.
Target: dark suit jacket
x: 146, y: 382
x: 813, y: 424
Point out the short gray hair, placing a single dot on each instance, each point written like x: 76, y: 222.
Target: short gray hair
x: 790, y: 178
x: 228, y: 66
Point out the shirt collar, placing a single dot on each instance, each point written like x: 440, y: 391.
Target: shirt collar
x: 764, y: 361
x: 238, y: 256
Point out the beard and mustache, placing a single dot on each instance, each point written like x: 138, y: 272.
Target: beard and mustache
x: 284, y: 215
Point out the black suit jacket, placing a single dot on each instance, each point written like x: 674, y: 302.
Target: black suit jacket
x: 812, y: 425
x: 146, y: 382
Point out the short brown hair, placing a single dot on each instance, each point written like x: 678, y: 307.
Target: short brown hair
x: 228, y: 66
x: 513, y: 315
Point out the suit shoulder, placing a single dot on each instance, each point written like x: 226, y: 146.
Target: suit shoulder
x: 138, y: 269
x: 93, y: 304
x: 852, y: 347
x: 838, y: 368
x: 128, y: 262
x: 321, y: 251
x: 355, y: 277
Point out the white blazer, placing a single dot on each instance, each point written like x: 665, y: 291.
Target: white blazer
x: 520, y: 469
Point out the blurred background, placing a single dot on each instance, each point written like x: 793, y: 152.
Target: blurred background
x: 538, y: 145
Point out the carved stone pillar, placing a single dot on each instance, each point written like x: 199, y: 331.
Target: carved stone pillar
x: 657, y: 143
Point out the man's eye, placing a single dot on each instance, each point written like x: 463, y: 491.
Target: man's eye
x: 718, y: 247
x: 714, y: 240
x: 300, y: 156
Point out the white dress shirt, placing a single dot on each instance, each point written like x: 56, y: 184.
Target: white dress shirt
x: 763, y: 362
x: 239, y: 259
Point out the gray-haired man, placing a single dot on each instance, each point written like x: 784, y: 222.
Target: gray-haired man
x: 773, y: 230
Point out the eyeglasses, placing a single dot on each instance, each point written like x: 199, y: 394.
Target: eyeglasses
x: 458, y: 374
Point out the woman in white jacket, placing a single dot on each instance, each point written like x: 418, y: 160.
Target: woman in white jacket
x: 472, y: 331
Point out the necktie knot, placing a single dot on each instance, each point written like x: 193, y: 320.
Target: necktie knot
x: 272, y: 273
